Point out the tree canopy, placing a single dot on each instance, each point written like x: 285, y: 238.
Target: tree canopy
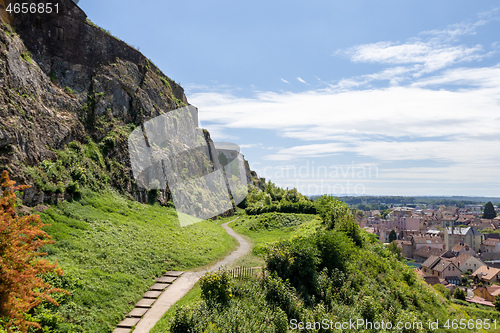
x: 392, y: 236
x: 489, y: 211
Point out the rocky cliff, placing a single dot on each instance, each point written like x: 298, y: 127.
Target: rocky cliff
x: 70, y: 95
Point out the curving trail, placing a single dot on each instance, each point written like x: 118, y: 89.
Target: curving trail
x: 185, y: 282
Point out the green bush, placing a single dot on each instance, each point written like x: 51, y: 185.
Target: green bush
x: 296, y: 262
x: 281, y: 294
x: 216, y: 287
x: 334, y: 250
x: 445, y: 292
x: 459, y: 301
x: 183, y: 321
x: 336, y: 214
x: 248, y: 312
x: 273, y: 221
x: 496, y: 303
x: 459, y: 294
x: 301, y: 207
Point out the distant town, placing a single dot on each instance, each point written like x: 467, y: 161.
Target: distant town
x: 458, y: 247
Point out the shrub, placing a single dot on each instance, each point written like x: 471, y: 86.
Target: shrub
x: 295, y: 261
x: 21, y: 285
x: 79, y: 166
x: 334, y: 249
x: 216, y: 287
x: 459, y: 294
x: 182, y: 321
x: 300, y: 207
x: 281, y: 294
x: 459, y: 301
x: 336, y: 214
x: 446, y: 293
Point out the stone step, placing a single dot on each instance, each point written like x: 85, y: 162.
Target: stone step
x: 138, y: 312
x: 121, y: 330
x: 152, y: 294
x: 174, y: 273
x: 128, y: 323
x: 159, y: 286
x: 166, y: 279
x: 145, y: 303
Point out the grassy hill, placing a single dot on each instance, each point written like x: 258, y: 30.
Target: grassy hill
x: 111, y: 249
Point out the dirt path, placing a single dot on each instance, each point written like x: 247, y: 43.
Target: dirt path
x: 185, y: 282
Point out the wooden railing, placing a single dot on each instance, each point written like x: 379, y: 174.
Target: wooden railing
x: 241, y: 272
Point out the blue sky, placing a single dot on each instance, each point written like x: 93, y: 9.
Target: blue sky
x: 342, y: 97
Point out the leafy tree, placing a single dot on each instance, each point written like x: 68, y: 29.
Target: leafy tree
x: 392, y: 236
x: 459, y: 294
x: 21, y: 286
x: 385, y: 213
x: 489, y: 211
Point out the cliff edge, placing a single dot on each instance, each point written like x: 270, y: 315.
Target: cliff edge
x: 71, y: 94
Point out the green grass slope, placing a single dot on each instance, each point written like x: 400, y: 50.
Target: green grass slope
x: 322, y: 274
x: 111, y: 249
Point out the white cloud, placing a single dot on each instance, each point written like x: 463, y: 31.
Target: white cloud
x: 431, y: 54
x: 257, y: 146
x: 458, y: 129
x: 453, y: 31
x: 423, y: 56
x: 455, y: 152
x: 394, y: 112
x: 284, y: 80
x: 427, y: 115
x: 301, y: 80
x: 487, y: 77
x: 436, y: 50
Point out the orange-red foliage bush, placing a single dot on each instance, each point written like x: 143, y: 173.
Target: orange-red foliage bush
x: 21, y: 285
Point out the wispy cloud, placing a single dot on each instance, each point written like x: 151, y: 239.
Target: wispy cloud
x: 430, y: 112
x: 257, y: 146
x: 394, y: 112
x: 284, y: 80
x: 426, y: 56
x: 486, y: 77
x: 431, y: 51
x: 301, y: 80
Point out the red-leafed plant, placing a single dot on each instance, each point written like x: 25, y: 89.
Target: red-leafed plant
x: 21, y: 269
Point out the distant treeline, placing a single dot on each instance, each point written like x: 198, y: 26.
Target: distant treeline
x: 384, y: 202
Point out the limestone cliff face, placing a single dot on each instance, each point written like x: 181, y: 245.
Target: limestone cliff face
x: 63, y: 79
